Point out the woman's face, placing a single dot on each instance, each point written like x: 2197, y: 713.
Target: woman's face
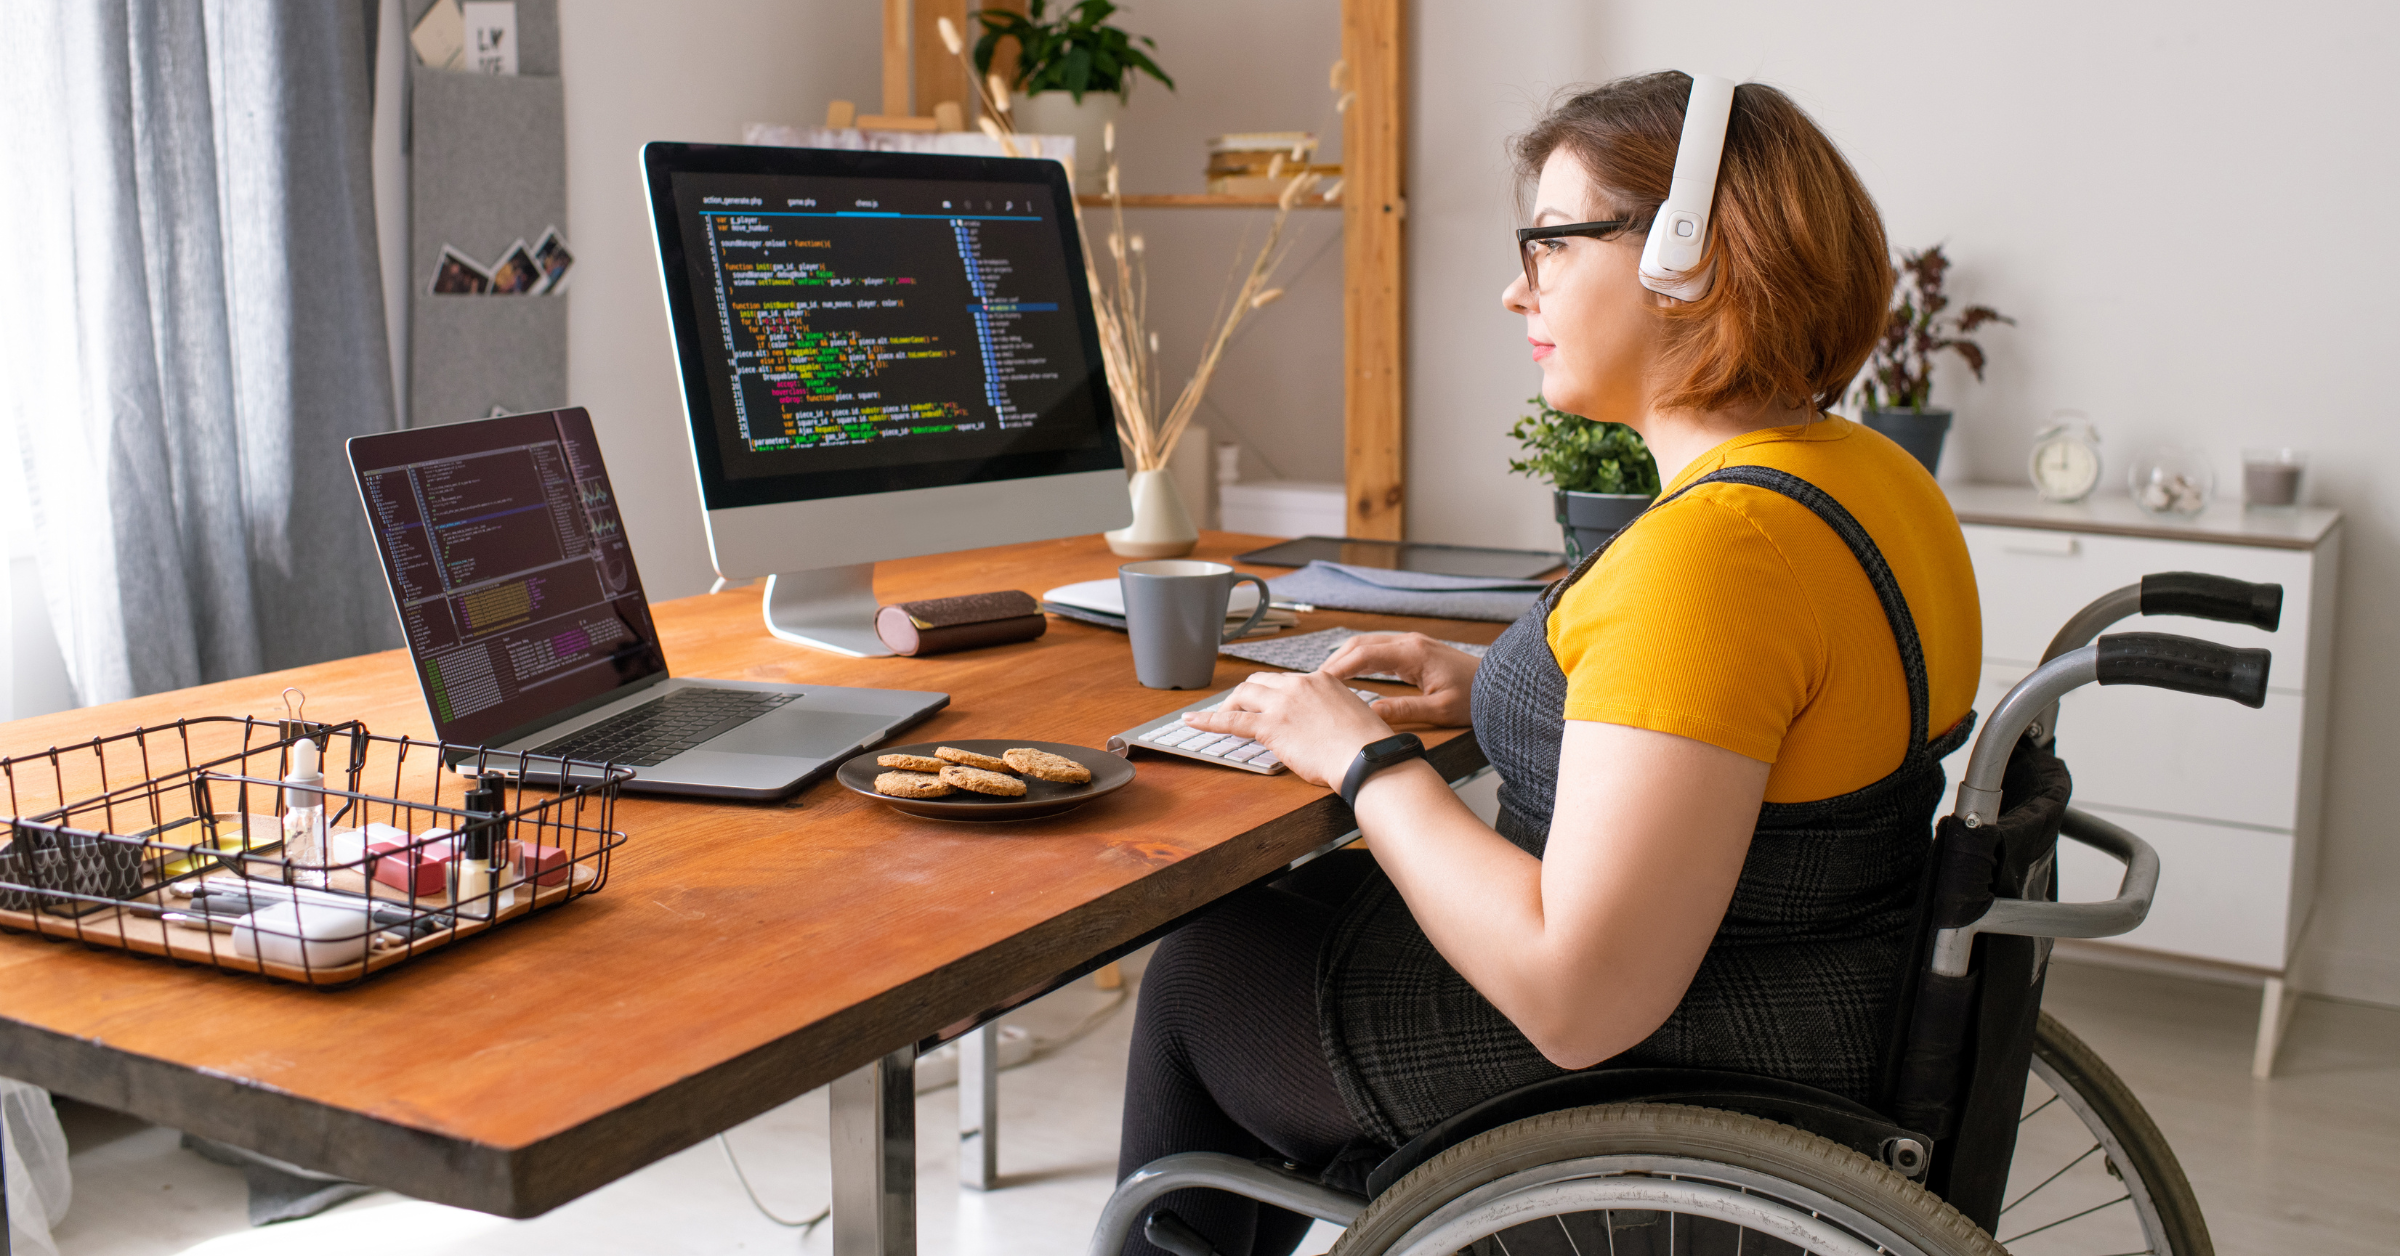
x: 1591, y: 324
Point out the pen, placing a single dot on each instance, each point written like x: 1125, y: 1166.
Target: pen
x: 1301, y: 607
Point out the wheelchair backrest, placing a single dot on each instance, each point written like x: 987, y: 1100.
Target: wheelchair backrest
x: 1957, y: 1065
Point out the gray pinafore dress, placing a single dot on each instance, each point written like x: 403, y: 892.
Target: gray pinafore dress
x: 1801, y: 979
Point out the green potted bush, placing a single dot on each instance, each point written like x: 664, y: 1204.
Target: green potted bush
x: 1074, y: 71
x: 1601, y: 474
x: 1900, y: 374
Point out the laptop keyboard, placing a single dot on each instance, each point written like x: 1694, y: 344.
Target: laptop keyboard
x: 660, y: 729
x: 1168, y: 734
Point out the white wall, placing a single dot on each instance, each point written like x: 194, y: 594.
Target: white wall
x: 637, y: 72
x: 2185, y: 206
x: 2119, y: 178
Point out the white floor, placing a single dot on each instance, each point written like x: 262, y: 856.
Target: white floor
x: 138, y: 1194
x: 2303, y: 1163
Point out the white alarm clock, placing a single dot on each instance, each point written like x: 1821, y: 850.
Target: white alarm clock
x: 2066, y: 462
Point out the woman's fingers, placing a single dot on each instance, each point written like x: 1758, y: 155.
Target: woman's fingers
x: 1239, y: 723
x: 1407, y: 710
x: 1395, y: 654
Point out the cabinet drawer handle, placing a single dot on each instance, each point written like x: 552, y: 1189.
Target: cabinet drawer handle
x: 2044, y: 547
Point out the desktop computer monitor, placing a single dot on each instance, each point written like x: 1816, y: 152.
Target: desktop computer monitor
x: 883, y: 355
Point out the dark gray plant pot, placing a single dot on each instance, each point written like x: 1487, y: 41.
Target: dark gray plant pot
x: 1919, y: 432
x: 1588, y: 520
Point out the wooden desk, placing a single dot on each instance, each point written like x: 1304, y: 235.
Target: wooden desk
x: 741, y: 955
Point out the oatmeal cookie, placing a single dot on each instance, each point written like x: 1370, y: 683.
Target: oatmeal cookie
x: 982, y: 782
x: 971, y: 759
x: 1045, y: 766
x: 911, y: 785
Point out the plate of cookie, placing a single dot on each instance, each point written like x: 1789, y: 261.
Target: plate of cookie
x: 985, y: 779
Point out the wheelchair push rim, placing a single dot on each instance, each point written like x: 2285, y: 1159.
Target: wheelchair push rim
x: 2112, y: 1153
x: 1620, y: 1167
x: 1677, y: 1186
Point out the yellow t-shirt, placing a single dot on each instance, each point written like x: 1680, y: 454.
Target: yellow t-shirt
x: 1734, y: 616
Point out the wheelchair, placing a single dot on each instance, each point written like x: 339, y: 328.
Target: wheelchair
x: 1993, y: 1120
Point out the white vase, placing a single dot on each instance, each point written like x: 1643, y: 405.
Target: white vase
x: 1056, y: 113
x: 1161, y: 528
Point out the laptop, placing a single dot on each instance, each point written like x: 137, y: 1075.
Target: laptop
x: 526, y: 621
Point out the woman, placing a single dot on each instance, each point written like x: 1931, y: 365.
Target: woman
x: 1719, y: 738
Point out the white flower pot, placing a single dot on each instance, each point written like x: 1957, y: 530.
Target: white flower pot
x: 1056, y: 113
x: 1161, y: 528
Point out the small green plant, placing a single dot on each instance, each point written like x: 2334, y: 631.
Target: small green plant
x: 1076, y: 52
x: 1901, y: 372
x: 1581, y: 456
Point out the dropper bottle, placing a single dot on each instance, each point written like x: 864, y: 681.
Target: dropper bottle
x: 304, y: 818
x: 482, y: 858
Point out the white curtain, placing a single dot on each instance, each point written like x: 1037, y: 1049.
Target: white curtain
x: 192, y: 315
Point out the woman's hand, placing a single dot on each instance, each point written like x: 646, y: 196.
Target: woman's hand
x: 1310, y: 720
x: 1445, y: 676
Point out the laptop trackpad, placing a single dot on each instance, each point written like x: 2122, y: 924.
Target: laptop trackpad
x: 796, y: 732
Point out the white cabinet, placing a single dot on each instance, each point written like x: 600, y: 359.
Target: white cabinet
x: 2228, y: 795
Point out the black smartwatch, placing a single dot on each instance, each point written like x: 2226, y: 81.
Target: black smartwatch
x: 1374, y: 757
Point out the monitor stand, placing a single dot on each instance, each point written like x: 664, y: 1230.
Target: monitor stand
x: 829, y: 608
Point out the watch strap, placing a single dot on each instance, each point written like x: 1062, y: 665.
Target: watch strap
x: 1374, y: 757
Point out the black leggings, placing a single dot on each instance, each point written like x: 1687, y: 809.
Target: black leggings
x: 1227, y: 1055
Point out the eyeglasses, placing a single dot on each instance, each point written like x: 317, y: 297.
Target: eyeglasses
x: 1529, y: 240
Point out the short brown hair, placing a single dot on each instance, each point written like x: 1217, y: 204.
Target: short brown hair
x: 1803, y: 275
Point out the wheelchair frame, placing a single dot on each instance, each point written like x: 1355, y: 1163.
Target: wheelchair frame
x: 1964, y: 1040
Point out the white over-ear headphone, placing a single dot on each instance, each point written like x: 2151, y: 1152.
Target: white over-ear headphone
x: 1679, y: 234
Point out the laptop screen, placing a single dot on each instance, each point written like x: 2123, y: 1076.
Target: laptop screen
x: 509, y: 568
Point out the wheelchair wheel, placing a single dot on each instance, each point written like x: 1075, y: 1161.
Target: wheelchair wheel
x: 2091, y: 1172
x: 1638, y: 1179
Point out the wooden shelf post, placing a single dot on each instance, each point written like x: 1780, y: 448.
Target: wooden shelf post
x: 1374, y: 267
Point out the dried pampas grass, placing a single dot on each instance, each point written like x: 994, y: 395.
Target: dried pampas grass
x: 1128, y: 350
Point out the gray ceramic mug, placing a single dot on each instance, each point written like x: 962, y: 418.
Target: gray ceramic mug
x: 1175, y: 613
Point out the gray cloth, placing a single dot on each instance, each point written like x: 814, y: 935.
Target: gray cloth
x: 1805, y: 970
x: 192, y: 284
x: 279, y: 1191
x: 1345, y: 586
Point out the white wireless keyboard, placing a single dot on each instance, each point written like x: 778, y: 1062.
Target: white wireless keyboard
x: 1168, y: 734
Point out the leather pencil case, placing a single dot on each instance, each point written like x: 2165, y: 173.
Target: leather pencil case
x: 940, y: 625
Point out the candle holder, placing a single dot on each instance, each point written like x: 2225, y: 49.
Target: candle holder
x: 2271, y: 478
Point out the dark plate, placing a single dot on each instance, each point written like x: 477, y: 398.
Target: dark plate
x: 1042, y: 798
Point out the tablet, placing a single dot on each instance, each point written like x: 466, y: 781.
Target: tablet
x: 1443, y: 560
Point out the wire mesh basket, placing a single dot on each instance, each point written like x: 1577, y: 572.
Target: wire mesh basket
x: 207, y: 841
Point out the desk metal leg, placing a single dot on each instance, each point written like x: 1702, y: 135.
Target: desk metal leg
x: 875, y: 1158
x: 979, y: 1108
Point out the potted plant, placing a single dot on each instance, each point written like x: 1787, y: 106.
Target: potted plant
x: 1900, y: 374
x: 1073, y: 73
x: 1601, y: 474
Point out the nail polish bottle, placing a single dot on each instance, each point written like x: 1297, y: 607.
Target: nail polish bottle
x: 304, y: 818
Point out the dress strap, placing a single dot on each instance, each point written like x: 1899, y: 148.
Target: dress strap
x: 1862, y: 547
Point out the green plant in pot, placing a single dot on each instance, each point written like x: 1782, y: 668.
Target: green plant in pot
x: 1601, y: 474
x: 1900, y: 374
x: 1074, y: 71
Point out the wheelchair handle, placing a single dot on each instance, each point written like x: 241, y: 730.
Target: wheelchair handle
x: 2194, y: 594
x: 2165, y: 661
x: 2159, y: 660
x: 2042, y: 919
x: 2202, y: 596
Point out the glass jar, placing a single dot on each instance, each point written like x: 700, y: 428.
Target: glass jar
x: 2172, y: 481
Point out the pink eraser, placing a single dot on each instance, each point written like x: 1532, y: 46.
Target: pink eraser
x: 543, y: 865
x: 412, y: 868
